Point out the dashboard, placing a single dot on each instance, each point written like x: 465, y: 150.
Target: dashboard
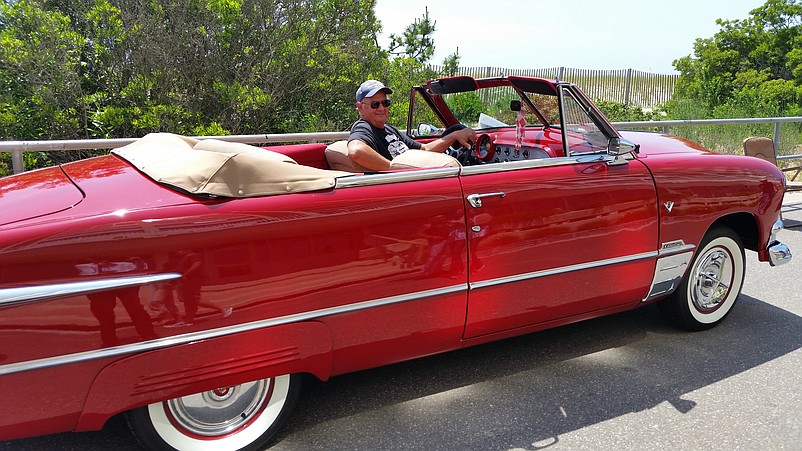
x: 490, y: 152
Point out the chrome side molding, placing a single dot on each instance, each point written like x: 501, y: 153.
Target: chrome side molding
x: 174, y: 340
x: 668, y: 274
x: 21, y: 295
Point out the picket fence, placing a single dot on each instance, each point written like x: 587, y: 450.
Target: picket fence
x: 627, y: 86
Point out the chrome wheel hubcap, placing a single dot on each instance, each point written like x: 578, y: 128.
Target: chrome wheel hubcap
x: 220, y: 411
x: 712, y: 280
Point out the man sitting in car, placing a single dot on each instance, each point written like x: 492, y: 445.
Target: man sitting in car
x: 373, y: 143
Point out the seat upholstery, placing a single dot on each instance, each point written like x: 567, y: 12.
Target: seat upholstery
x: 339, y: 160
x: 414, y: 159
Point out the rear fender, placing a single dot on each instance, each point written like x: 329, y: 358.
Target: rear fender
x: 205, y: 365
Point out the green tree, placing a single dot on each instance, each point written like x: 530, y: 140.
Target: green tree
x: 113, y: 68
x: 40, y: 68
x: 121, y: 68
x: 416, y: 40
x: 751, y: 67
x: 451, y: 64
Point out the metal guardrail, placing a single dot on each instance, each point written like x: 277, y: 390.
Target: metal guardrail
x: 666, y: 125
x: 17, y: 148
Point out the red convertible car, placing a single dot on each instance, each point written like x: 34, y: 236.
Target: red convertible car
x: 191, y: 284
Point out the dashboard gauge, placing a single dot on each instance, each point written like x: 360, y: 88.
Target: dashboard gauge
x: 485, y: 149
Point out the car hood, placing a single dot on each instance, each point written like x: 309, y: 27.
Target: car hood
x: 652, y: 143
x: 37, y: 193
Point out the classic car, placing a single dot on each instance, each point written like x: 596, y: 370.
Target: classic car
x: 190, y: 284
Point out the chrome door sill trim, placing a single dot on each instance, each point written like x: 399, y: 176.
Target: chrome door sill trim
x: 561, y: 270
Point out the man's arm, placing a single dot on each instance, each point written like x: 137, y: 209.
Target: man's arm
x: 465, y: 136
x: 365, y: 155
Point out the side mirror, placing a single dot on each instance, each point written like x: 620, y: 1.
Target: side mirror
x: 620, y: 146
x: 427, y: 130
x: 617, y: 148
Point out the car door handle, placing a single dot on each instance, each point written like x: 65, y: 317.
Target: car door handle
x: 476, y: 199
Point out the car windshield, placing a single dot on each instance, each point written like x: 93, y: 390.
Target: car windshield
x: 490, y: 108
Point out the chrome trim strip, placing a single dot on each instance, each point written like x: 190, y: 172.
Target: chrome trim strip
x: 433, y: 173
x: 396, y: 177
x: 675, y: 247
x: 521, y: 164
x: 220, y: 332
x: 22, y: 295
x: 561, y: 270
x: 668, y: 274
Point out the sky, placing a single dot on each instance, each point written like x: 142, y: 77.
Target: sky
x: 645, y: 35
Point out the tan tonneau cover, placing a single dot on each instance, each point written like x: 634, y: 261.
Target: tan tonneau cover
x: 219, y: 168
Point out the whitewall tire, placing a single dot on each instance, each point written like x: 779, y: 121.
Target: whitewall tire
x: 242, y: 417
x: 712, y: 284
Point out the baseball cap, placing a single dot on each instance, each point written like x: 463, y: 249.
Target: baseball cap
x: 370, y: 88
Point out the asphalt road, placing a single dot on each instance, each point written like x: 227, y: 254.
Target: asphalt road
x: 629, y: 381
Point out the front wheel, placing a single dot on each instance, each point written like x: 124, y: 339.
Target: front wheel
x: 242, y: 417
x: 711, y: 287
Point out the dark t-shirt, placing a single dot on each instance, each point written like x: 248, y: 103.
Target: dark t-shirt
x: 389, y: 142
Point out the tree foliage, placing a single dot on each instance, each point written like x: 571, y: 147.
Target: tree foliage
x: 751, y: 67
x: 114, y: 68
x: 416, y: 40
x: 74, y: 69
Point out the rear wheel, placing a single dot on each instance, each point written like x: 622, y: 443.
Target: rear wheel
x: 712, y: 285
x: 242, y: 417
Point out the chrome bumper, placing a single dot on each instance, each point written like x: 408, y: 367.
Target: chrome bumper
x: 779, y: 254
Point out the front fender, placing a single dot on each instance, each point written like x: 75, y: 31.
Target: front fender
x: 204, y: 365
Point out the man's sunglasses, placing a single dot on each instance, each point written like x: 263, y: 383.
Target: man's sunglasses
x: 375, y: 104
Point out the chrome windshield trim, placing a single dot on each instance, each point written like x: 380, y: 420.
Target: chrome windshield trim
x: 220, y: 332
x: 22, y: 295
x: 561, y: 270
x: 396, y: 177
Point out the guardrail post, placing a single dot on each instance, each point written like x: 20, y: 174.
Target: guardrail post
x: 17, y: 162
x: 776, y: 140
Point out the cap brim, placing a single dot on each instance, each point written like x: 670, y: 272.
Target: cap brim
x: 373, y: 92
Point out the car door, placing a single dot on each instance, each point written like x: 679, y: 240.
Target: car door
x: 556, y: 238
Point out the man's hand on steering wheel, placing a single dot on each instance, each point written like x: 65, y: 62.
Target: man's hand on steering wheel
x: 466, y: 137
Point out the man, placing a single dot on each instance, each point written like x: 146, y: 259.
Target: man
x: 372, y: 143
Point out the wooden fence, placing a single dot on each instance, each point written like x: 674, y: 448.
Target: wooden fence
x: 628, y: 86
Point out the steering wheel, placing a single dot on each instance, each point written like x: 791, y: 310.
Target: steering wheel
x: 457, y: 150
